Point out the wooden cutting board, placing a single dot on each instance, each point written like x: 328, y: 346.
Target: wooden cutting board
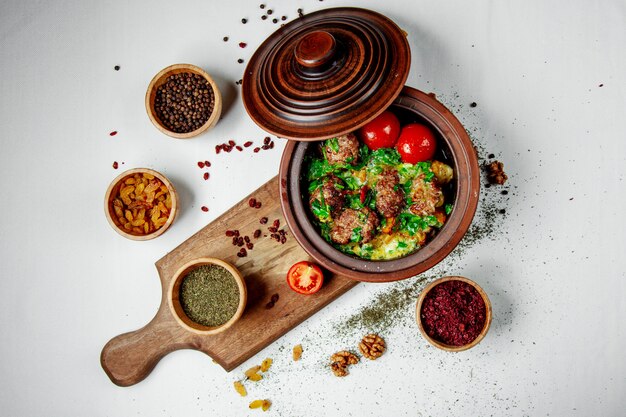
x: 130, y: 357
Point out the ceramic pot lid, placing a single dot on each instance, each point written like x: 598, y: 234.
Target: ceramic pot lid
x: 326, y: 74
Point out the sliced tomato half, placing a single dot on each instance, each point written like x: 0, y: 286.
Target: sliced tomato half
x: 305, y: 278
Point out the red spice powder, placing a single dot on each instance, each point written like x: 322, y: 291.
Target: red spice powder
x: 454, y: 313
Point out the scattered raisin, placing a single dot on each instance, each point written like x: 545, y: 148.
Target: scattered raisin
x: 263, y: 220
x: 257, y: 234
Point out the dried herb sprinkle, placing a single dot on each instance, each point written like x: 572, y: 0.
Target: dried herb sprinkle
x: 209, y: 295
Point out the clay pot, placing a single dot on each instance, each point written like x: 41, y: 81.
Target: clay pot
x: 455, y: 148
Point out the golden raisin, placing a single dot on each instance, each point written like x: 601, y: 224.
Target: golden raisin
x: 240, y: 388
x: 297, y: 352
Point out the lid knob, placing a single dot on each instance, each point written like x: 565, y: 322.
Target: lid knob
x: 315, y: 49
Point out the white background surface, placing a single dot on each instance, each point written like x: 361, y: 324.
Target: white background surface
x: 554, y: 269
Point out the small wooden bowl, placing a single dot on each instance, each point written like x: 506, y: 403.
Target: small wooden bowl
x: 173, y: 297
x: 160, y: 79
x: 112, y: 193
x: 444, y: 346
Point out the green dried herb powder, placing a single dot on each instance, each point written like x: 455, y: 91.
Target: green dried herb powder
x: 209, y: 295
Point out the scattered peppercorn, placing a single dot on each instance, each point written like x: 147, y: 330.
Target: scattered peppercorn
x: 240, y: 61
x: 204, y: 208
x: 256, y: 150
x: 264, y: 17
x: 206, y: 176
x: 274, y: 20
x: 247, y: 144
x: 117, y: 68
x: 491, y: 156
x: 270, y: 11
x: 504, y: 192
x: 473, y: 104
x: 502, y: 211
x: 263, y: 220
x: 115, y: 165
x: 225, y: 38
x: 200, y: 164
x: 283, y: 18
x: 252, y: 202
x: 257, y: 234
x: 242, y: 44
x: 262, y: 6
x: 244, y: 20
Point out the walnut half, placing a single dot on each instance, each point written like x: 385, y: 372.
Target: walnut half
x: 341, y: 360
x: 372, y: 346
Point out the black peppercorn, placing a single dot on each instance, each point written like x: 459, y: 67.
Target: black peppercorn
x: 263, y: 17
x: 274, y: 20
x: 240, y: 61
x: 270, y: 11
x: 244, y: 21
x: 184, y: 102
x: 225, y: 38
x: 116, y: 68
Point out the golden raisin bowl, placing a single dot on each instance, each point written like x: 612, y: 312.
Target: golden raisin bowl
x: 141, y: 204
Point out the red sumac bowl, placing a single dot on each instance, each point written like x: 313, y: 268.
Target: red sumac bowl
x: 455, y: 148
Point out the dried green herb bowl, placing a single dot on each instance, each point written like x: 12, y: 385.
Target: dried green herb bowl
x: 176, y: 307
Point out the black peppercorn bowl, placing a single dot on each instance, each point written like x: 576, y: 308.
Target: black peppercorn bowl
x: 160, y: 79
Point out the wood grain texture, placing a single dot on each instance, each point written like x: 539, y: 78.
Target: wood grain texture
x: 129, y: 358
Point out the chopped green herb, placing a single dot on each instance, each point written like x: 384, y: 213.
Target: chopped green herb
x: 448, y: 208
x: 356, y: 235
x: 354, y: 201
x: 321, y: 210
x: 333, y: 144
x: 411, y: 223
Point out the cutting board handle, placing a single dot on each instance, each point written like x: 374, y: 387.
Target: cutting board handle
x: 130, y: 357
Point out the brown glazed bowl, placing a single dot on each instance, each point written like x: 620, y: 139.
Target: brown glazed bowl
x: 455, y: 148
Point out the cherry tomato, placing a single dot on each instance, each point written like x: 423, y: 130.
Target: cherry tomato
x: 382, y: 132
x: 416, y: 143
x: 305, y: 278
